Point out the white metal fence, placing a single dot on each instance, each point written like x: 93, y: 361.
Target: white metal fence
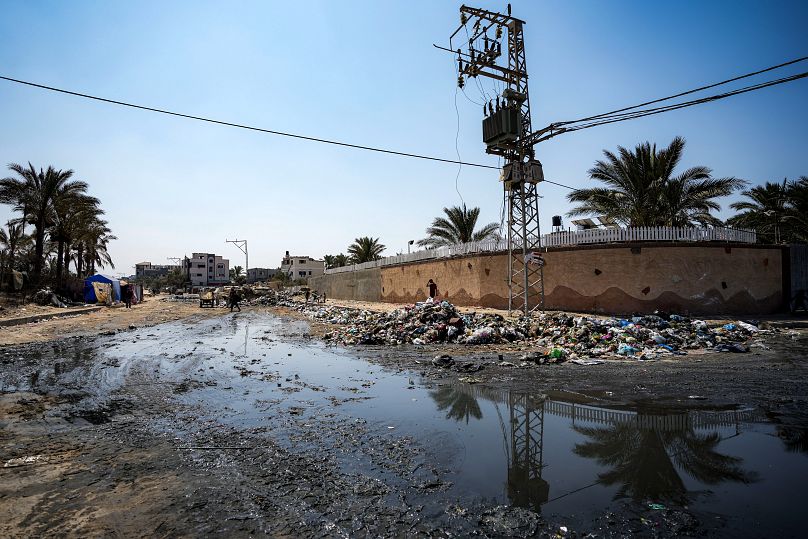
x: 562, y: 239
x: 647, y: 233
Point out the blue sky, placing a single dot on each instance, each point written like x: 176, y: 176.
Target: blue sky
x: 366, y: 73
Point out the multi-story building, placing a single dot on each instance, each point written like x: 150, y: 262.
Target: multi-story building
x: 207, y: 269
x: 255, y: 275
x: 301, y: 267
x: 145, y: 270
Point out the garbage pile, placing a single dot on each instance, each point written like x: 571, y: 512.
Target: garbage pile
x: 562, y: 336
x: 46, y: 296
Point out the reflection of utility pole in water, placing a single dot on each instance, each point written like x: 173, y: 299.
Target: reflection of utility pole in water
x: 526, y: 488
x: 246, y: 335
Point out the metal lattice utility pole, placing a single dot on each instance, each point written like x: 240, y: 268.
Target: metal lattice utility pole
x: 242, y: 244
x: 507, y: 132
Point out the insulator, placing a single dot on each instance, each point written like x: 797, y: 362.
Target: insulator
x: 463, y: 18
x: 499, y: 31
x: 485, y: 111
x: 460, y: 82
x: 460, y: 65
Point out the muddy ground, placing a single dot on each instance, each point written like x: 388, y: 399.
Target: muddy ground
x: 190, y: 428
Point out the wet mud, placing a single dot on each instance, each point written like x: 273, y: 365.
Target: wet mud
x: 245, y: 425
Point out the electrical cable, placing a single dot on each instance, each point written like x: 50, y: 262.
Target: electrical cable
x: 457, y: 148
x: 688, y: 92
x: 658, y: 110
x: 248, y: 127
x: 560, y: 184
x: 555, y: 129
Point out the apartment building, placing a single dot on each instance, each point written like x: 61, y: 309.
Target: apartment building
x: 255, y: 275
x: 301, y: 267
x: 148, y: 270
x: 207, y: 269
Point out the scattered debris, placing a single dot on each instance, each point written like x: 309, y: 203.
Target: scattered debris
x: 46, y: 296
x: 558, y: 337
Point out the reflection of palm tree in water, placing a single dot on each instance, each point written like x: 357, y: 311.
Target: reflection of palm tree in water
x: 794, y: 438
x: 646, y: 463
x: 461, y: 405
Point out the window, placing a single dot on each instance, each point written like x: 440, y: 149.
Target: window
x: 200, y: 265
x: 220, y: 266
x: 301, y: 261
x: 199, y: 275
x: 309, y: 273
x: 301, y: 273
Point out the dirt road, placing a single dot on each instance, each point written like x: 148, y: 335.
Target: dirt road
x: 109, y: 319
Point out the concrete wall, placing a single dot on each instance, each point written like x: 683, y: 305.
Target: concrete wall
x: 364, y: 285
x: 684, y: 278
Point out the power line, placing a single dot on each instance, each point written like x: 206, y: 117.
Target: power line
x: 772, y: 68
x: 248, y: 127
x: 556, y: 129
x: 552, y: 130
x: 560, y: 184
x: 658, y: 110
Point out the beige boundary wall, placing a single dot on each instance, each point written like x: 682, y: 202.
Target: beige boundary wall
x: 362, y: 285
x: 615, y: 279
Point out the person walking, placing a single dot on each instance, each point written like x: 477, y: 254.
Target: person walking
x: 233, y: 299
x: 308, y: 292
x: 127, y: 295
x: 433, y: 289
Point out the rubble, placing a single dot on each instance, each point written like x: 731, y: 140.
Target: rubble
x: 559, y: 336
x: 46, y: 296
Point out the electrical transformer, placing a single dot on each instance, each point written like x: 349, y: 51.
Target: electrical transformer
x: 501, y: 129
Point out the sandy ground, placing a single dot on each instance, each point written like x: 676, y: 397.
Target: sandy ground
x: 154, y: 310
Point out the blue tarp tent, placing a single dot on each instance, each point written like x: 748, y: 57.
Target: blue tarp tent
x: 89, y: 293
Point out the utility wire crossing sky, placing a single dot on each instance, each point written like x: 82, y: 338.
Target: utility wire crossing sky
x: 607, y: 117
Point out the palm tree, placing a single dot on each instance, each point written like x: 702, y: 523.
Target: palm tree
x: 797, y: 218
x: 70, y: 213
x: 641, y: 190
x: 235, y: 272
x: 457, y: 227
x: 33, y: 193
x: 340, y: 260
x: 329, y: 261
x: 765, y: 211
x: 365, y: 249
x: 12, y: 240
x: 91, y: 247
